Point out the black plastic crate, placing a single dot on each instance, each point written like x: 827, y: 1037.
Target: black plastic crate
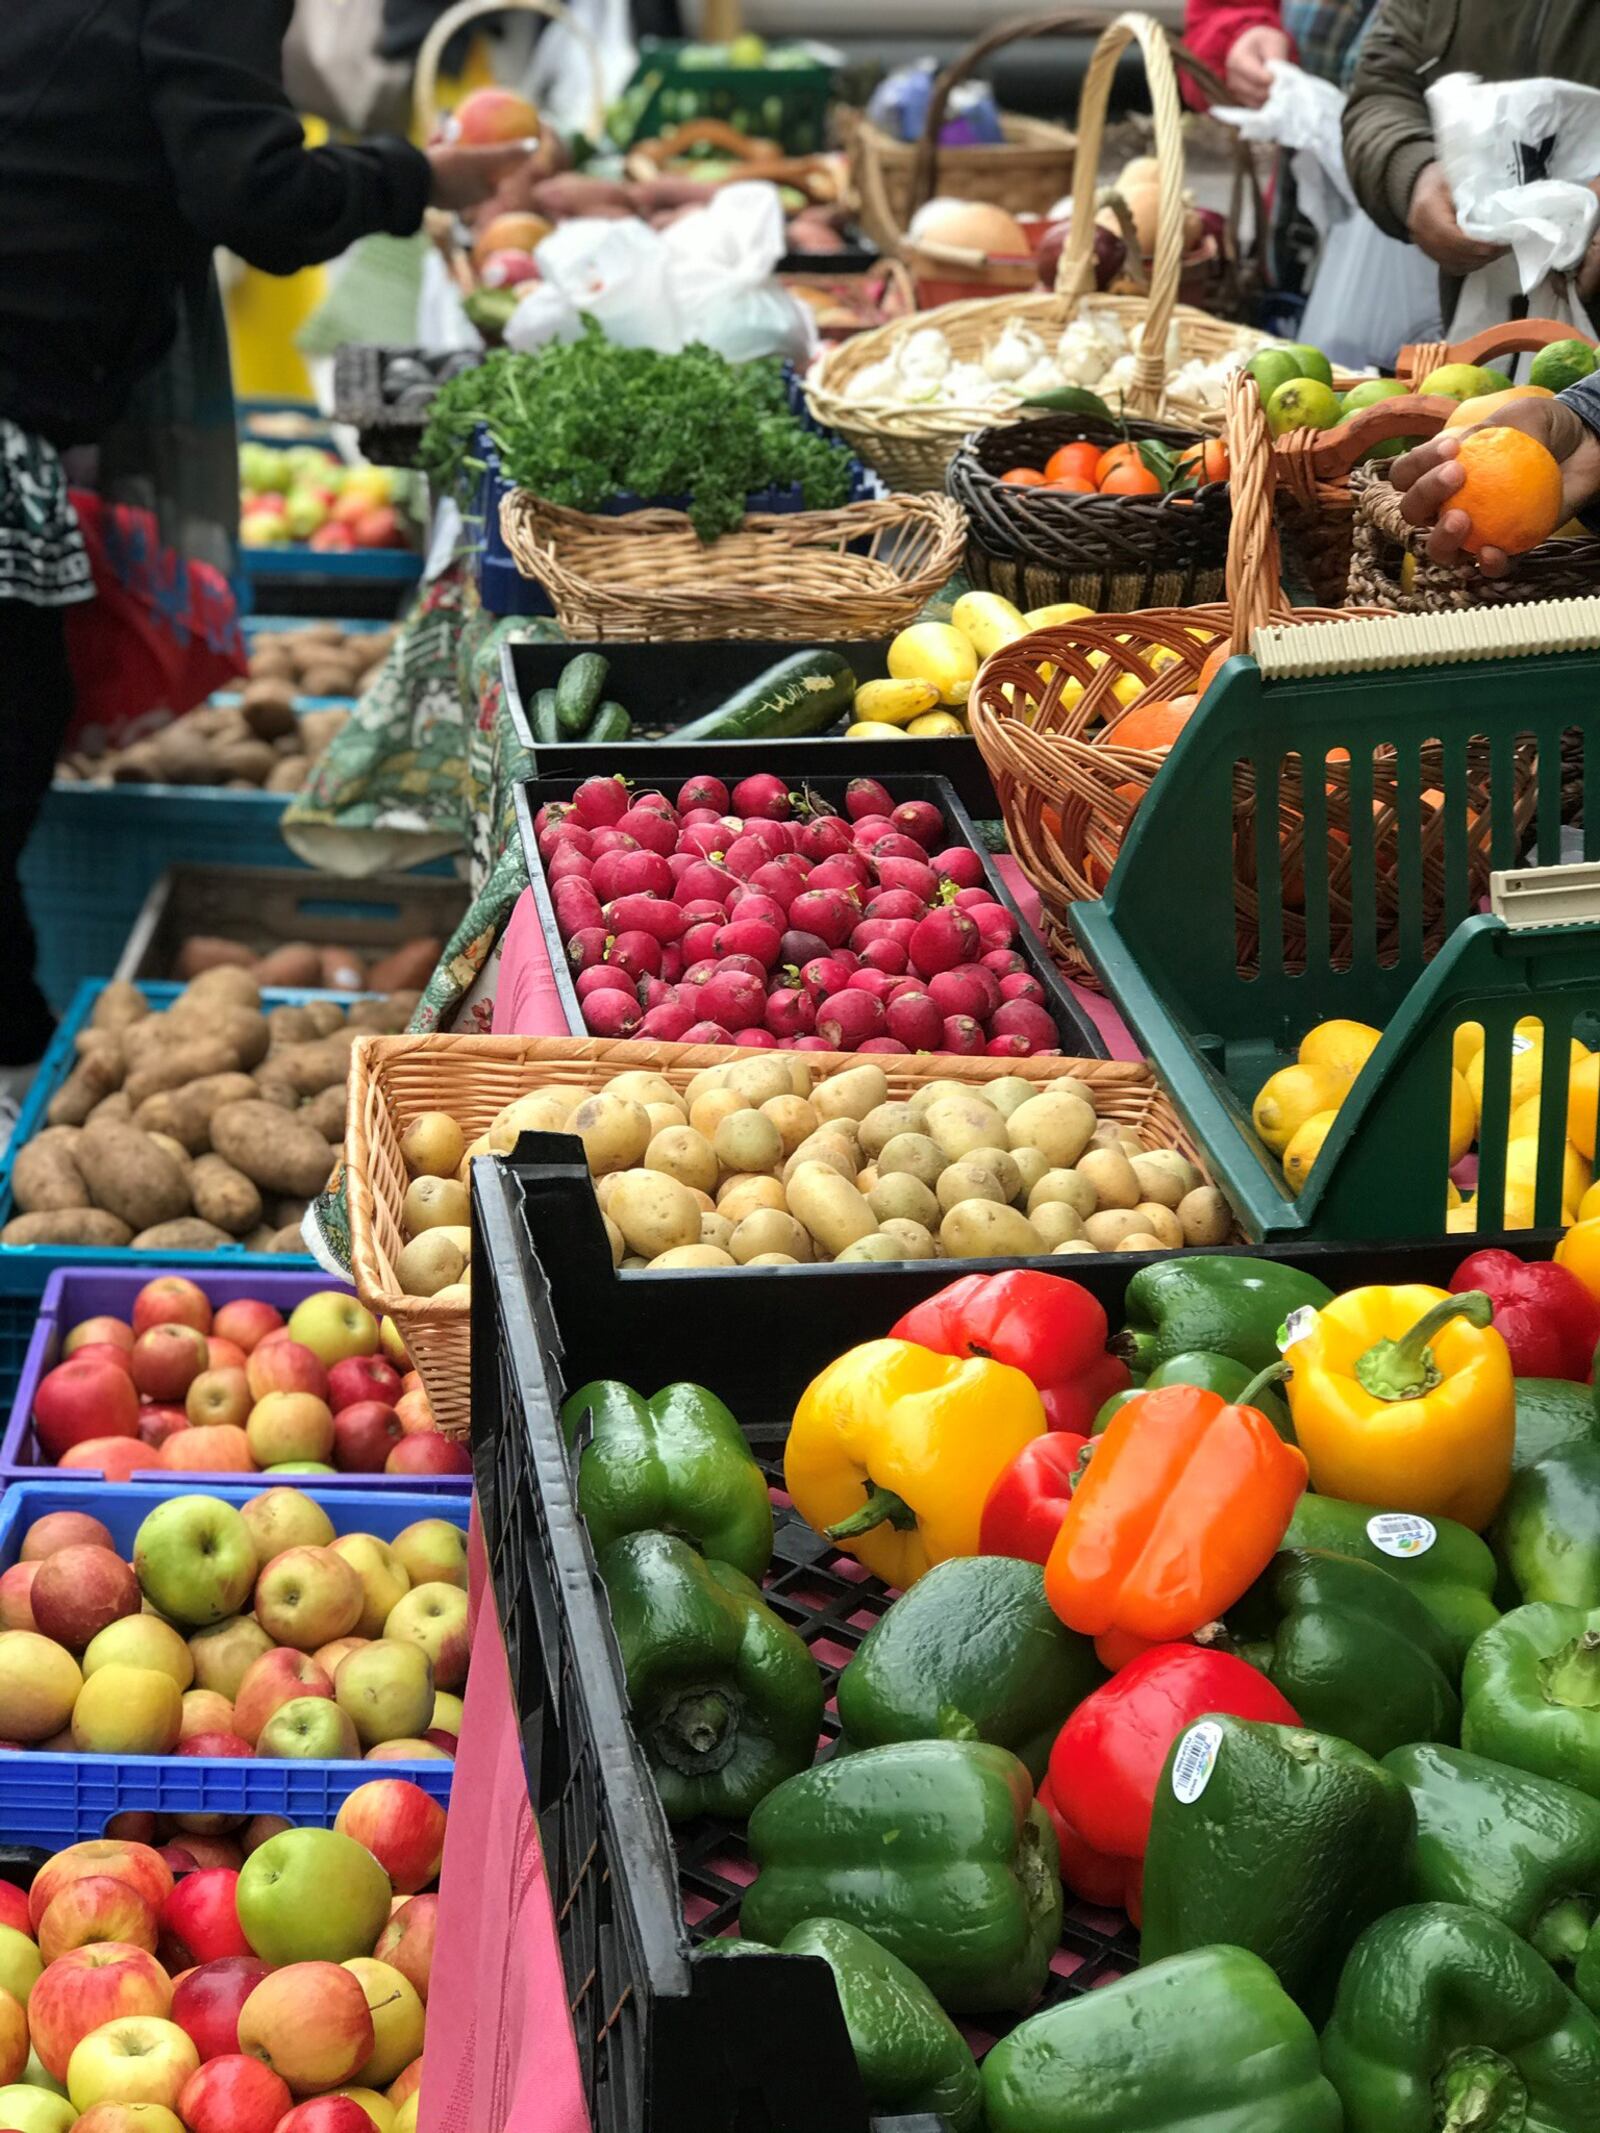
x: 663, y: 2043
x: 664, y: 765
x: 387, y: 436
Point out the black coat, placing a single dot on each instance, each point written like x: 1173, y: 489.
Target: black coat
x: 136, y: 135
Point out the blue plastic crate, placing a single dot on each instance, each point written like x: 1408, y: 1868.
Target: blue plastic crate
x: 53, y: 1800
x: 354, y: 566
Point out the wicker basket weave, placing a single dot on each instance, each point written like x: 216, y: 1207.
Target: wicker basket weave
x: 393, y: 1080
x: 864, y: 571
x: 912, y: 446
x: 1380, y: 576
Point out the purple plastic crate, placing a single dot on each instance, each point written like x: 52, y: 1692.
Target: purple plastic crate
x: 73, y: 1293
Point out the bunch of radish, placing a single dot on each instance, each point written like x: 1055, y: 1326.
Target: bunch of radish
x: 761, y: 917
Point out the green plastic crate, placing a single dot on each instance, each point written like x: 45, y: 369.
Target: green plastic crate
x: 1220, y: 985
x: 784, y: 103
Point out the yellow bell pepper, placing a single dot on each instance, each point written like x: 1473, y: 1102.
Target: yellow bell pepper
x: 1404, y: 1397
x: 893, y: 1449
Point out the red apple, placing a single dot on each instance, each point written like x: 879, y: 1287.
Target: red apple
x: 78, y: 1591
x: 217, y: 1449
x: 113, y: 1332
x: 199, y: 1920
x: 16, y: 1608
x: 103, y: 1352
x: 401, y: 1825
x: 117, y: 1458
x: 282, y: 1364
x: 416, y: 1412
x: 362, y: 1377
x: 407, y: 2081
x: 406, y: 1942
x: 167, y: 1360
x: 14, y: 1908
x: 171, y: 1299
x: 62, y: 1529
x: 487, y: 116
x: 429, y: 1453
x: 96, y: 1907
x: 88, y: 1987
x: 233, y: 2094
x: 80, y: 1399
x: 248, y: 1321
x: 277, y: 1677
x: 207, y: 2002
x: 308, y: 2021
x: 326, y: 2114
x: 228, y: 1745
x: 224, y: 1354
x: 162, y: 1420
x: 364, y: 1434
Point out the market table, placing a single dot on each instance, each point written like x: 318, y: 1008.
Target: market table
x: 501, y: 2052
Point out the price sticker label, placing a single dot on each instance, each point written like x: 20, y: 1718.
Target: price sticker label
x: 1195, y: 1760
x: 1402, y: 1533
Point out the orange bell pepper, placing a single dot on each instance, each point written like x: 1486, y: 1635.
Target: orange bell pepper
x: 1184, y: 1503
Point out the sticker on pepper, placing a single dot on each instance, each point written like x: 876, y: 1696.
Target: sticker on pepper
x: 1296, y: 1326
x: 1195, y: 1760
x: 1402, y: 1533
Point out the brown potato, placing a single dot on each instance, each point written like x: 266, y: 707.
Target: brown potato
x: 308, y: 1069
x: 187, y: 1234
x: 175, y: 1067
x: 290, y: 1025
x: 97, y: 1075
x: 223, y: 1195
x: 222, y: 985
x: 120, y: 1004
x: 277, y: 1150
x: 116, y: 1105
x: 268, y: 707
x: 326, y: 1111
x: 186, y: 1113
x: 44, y: 1177
x: 327, y: 1016
x: 129, y: 1176
x: 68, y: 1225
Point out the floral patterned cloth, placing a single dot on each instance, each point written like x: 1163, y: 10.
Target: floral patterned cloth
x: 43, y: 559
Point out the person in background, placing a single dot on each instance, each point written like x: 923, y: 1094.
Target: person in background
x: 136, y: 136
x: 1567, y: 426
x: 1239, y: 39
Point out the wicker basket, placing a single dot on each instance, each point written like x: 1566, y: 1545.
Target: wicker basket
x: 864, y: 571
x: 1518, y: 337
x: 1111, y: 553
x: 1380, y: 575
x: 393, y: 1080
x: 912, y: 446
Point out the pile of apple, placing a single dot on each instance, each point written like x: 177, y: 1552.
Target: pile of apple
x: 239, y: 1391
x: 307, y: 494
x: 763, y: 918
x: 179, y: 1991
x: 250, y: 1631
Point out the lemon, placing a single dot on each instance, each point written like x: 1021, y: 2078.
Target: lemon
x: 1304, y: 1149
x: 1463, y: 1220
x: 1583, y: 1095
x: 987, y: 622
x: 1345, y: 1046
x: 1589, y: 1205
x: 1527, y: 1066
x: 1522, y: 1170
x: 933, y: 651
x: 1460, y: 381
x: 936, y: 726
x: 1452, y: 1193
x: 1463, y: 1116
x: 1302, y: 404
x: 1466, y: 1043
x: 1562, y: 364
x: 1291, y: 1096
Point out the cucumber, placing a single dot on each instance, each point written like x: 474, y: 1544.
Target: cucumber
x: 805, y: 693
x: 546, y: 726
x: 611, y: 723
x: 578, y: 691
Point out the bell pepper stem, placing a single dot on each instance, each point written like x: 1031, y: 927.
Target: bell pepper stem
x: 698, y: 1732
x: 1572, y: 1675
x: 1273, y: 1375
x: 1405, y: 1369
x: 1478, y: 2091
x: 1561, y: 1931
x: 882, y: 1507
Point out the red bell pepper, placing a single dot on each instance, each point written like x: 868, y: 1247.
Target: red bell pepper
x: 1107, y: 1759
x: 1024, y: 1509
x: 1049, y: 1328
x: 1543, y: 1313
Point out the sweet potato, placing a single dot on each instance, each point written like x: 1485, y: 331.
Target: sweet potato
x: 97, y: 1075
x: 186, y: 1234
x: 175, y: 1067
x: 269, y: 707
x: 326, y: 1111
x: 67, y: 1225
x: 279, y: 1151
x: 205, y: 951
x: 44, y: 1177
x: 343, y: 970
x: 120, y: 1004
x: 129, y: 1176
x: 224, y: 1195
x: 320, y: 729
x: 295, y: 963
x: 408, y: 966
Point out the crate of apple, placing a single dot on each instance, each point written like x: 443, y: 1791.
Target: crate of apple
x: 181, y: 1387
x: 273, y: 1980
x: 762, y: 917
x: 309, y: 495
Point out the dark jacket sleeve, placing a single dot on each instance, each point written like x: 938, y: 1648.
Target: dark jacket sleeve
x: 1387, y: 134
x: 244, y: 177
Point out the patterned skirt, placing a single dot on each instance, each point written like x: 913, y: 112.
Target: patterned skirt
x: 43, y: 559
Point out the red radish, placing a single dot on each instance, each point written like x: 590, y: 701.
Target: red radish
x: 790, y: 834
x: 847, y: 871
x: 751, y: 937
x: 883, y: 1044
x: 972, y: 899
x: 667, y: 1022
x: 754, y: 1038
x: 1021, y: 985
x: 599, y: 801
x: 865, y: 833
x: 637, y: 953
x: 1004, y: 962
x: 828, y: 912
x: 565, y: 837
x: 826, y: 974
x: 943, y: 939
x: 883, y: 929
x: 875, y: 982
x: 567, y: 865
x: 919, y: 819
x: 895, y: 903
x: 552, y: 811
x: 611, y: 1014
x: 692, y: 817
x: 762, y: 794
x: 1012, y: 1047
x: 959, y: 863
x: 790, y: 1012
x: 703, y: 838
x: 702, y: 792
x: 587, y: 946
x: 746, y: 965
x: 1025, y: 1018
x: 701, y: 971
x: 750, y: 903
x: 847, y: 1019
x: 746, y: 853
x: 900, y: 985
x: 915, y: 1021
x: 679, y: 863
x: 888, y: 956
x: 910, y: 874
x: 968, y: 989
x: 650, y: 992
x: 961, y: 1034
x: 809, y: 1044
x: 702, y: 883
x: 734, y: 998
x: 657, y: 800
x: 996, y: 926
x: 603, y: 977
x: 672, y: 961
x: 865, y: 796
x: 781, y: 879
x: 797, y: 947
x: 824, y: 837
x: 648, y: 828
x: 892, y: 845
x: 699, y: 907
x: 605, y: 875
x: 576, y: 905
x: 643, y: 874
x: 647, y: 914
x: 707, y: 1033
x: 700, y: 942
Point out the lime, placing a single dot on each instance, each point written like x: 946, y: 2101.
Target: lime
x: 1372, y: 390
x: 1457, y: 381
x: 1563, y: 363
x: 1502, y: 384
x: 1272, y: 367
x: 1311, y: 362
x: 1302, y: 404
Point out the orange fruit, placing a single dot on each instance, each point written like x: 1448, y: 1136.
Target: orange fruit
x: 1119, y: 455
x: 1211, y: 666
x: 1133, y: 478
x: 1072, y: 485
x: 1154, y: 725
x: 1512, y: 491
x: 1208, y: 460
x: 1023, y: 477
x: 1081, y: 459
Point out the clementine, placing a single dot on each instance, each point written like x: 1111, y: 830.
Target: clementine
x: 1132, y: 478
x: 1512, y: 491
x: 1081, y: 459
x: 1207, y: 461
x: 1072, y: 485
x: 1117, y: 455
x: 1154, y: 725
x: 1023, y: 477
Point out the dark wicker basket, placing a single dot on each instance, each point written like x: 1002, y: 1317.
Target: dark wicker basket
x: 1037, y: 547
x: 1555, y: 570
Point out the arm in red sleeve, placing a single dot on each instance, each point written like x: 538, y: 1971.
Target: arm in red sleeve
x: 1209, y: 29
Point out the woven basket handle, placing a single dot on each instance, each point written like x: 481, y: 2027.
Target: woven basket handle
x: 1254, y: 577
x: 1331, y: 453
x: 426, y: 88
x: 1523, y: 336
x: 1075, y: 275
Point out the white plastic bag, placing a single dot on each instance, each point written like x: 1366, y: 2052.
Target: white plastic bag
x: 561, y: 75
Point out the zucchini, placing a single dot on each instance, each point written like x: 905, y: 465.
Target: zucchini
x: 578, y: 691
x: 805, y: 693
x: 611, y: 723
x: 546, y: 726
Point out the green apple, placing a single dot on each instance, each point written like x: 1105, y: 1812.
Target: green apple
x: 195, y: 1560
x: 300, y: 1466
x: 38, y: 2076
x: 1311, y: 362
x: 25, y: 2109
x: 312, y: 1895
x: 332, y: 1324
x: 309, y: 1729
x: 304, y: 511
x: 1272, y: 367
x: 20, y: 1964
x: 387, y: 1689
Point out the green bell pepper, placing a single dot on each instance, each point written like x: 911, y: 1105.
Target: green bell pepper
x: 1354, y: 1653
x: 1207, y: 2042
x: 1530, y: 1694
x: 972, y: 1652
x: 1289, y: 1847
x: 1452, y: 1574
x: 1524, y: 1848
x: 1215, y: 1373
x: 1551, y: 1414
x: 725, y: 1698
x: 1226, y: 1306
x: 1446, y: 2021
x: 676, y: 1464
x: 937, y: 1848
x: 1547, y: 1536
x: 911, y: 2056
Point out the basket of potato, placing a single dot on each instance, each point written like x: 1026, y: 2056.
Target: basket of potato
x: 716, y: 1157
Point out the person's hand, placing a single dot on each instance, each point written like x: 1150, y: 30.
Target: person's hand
x: 1248, y: 68
x: 1430, y: 475
x: 1431, y: 220
x: 464, y: 177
